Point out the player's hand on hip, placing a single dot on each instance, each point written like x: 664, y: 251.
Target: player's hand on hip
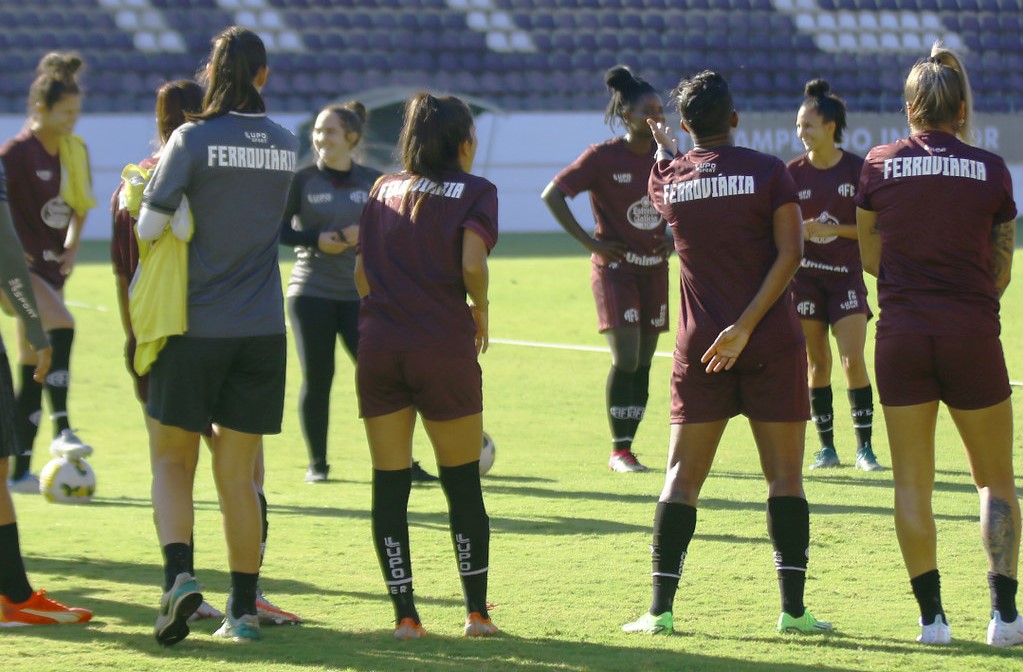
x: 611, y: 250
x: 723, y: 353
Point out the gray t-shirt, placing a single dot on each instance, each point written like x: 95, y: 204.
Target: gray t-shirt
x: 324, y: 200
x: 14, y: 272
x: 235, y: 170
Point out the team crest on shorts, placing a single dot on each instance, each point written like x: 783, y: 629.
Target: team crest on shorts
x: 631, y: 315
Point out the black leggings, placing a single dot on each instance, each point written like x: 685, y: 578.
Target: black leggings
x: 317, y: 323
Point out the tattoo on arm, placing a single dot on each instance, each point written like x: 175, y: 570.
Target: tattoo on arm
x: 1001, y: 536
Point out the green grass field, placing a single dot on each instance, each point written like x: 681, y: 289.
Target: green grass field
x: 569, y: 561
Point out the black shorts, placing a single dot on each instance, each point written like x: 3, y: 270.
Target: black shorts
x: 237, y: 383
x: 8, y: 439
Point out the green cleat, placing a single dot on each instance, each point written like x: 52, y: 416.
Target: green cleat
x: 805, y: 624
x: 651, y: 625
x: 825, y: 458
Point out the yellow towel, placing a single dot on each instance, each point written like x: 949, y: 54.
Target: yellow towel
x: 75, y: 180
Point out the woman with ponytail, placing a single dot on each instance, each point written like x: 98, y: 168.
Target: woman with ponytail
x: 50, y: 188
x: 828, y: 289
x: 936, y: 226
x: 424, y: 238
x: 629, y: 251
x: 234, y: 166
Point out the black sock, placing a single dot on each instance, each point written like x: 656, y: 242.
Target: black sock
x: 59, y: 377
x: 619, y: 401
x: 390, y: 536
x: 266, y: 526
x: 674, y: 525
x: 788, y: 524
x: 14, y: 583
x: 927, y: 591
x: 470, y: 532
x: 1003, y: 595
x: 243, y: 593
x: 177, y: 559
x: 861, y: 402
x: 191, y: 555
x: 640, y: 394
x: 822, y: 412
x: 27, y: 414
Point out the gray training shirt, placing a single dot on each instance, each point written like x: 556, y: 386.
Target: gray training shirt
x: 235, y: 170
x: 14, y: 272
x: 324, y: 200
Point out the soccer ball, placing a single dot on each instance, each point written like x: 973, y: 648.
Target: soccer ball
x: 67, y: 481
x: 487, y: 454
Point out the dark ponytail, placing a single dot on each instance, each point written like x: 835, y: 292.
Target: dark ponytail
x: 55, y: 78
x: 174, y: 101
x: 626, y: 88
x: 235, y: 60
x: 352, y: 116
x: 433, y: 132
x: 828, y: 105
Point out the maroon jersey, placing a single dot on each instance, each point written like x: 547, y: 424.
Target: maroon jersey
x: 414, y: 263
x: 124, y: 247
x: 616, y: 178
x: 720, y: 206
x: 41, y: 216
x: 827, y: 196
x: 936, y: 200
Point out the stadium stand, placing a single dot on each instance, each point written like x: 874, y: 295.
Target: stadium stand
x: 520, y: 54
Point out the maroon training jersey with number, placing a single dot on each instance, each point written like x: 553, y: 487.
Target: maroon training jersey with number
x: 616, y: 178
x: 936, y: 200
x: 410, y: 239
x: 720, y: 206
x: 124, y: 247
x: 41, y: 216
x: 827, y: 196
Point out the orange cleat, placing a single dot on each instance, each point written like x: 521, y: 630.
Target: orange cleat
x: 409, y: 629
x: 39, y: 610
x: 477, y: 626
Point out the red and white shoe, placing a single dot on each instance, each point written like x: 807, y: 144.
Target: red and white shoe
x: 39, y: 610
x: 270, y: 614
x: 624, y: 461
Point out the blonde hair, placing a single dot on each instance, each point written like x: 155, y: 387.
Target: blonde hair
x: 936, y: 89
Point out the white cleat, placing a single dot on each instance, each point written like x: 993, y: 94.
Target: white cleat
x: 624, y: 461
x: 1002, y: 634
x: 205, y: 610
x: 26, y: 485
x: 67, y: 445
x: 937, y: 632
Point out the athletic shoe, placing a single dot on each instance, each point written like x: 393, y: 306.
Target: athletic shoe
x: 176, y: 605
x: 651, y: 625
x: 477, y: 626
x: 314, y: 476
x: 66, y: 444
x: 205, y: 610
x: 866, y: 461
x: 420, y: 475
x: 409, y: 629
x: 39, y: 610
x: 937, y: 632
x: 26, y: 485
x: 624, y: 461
x: 1001, y: 634
x: 245, y: 628
x: 805, y: 624
x: 270, y: 614
x: 826, y: 457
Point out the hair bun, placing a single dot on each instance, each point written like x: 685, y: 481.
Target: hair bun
x: 817, y: 88
x: 357, y: 108
x: 620, y: 78
x: 61, y: 65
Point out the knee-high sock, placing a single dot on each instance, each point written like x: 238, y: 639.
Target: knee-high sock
x: 861, y: 403
x: 59, y: 377
x: 674, y: 525
x: 27, y: 414
x: 390, y: 537
x: 788, y: 524
x: 470, y: 532
x: 14, y: 583
x: 619, y: 403
x: 822, y: 412
x: 640, y: 394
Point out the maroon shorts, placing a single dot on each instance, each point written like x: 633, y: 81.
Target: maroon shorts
x: 440, y: 388
x: 627, y: 299
x: 965, y: 372
x: 769, y: 390
x: 829, y: 298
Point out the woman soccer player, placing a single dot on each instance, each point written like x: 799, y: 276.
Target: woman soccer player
x: 19, y: 604
x: 235, y: 167
x: 174, y: 101
x: 738, y: 233
x: 50, y: 194
x: 321, y: 221
x: 424, y: 239
x: 828, y: 289
x: 629, y: 267
x: 935, y: 217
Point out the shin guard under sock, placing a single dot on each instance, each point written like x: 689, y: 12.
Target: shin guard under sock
x: 788, y: 524
x: 390, y: 537
x: 822, y: 411
x: 640, y: 394
x: 470, y: 532
x: 861, y: 404
x: 59, y: 377
x: 619, y: 402
x: 674, y: 525
x: 27, y: 414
